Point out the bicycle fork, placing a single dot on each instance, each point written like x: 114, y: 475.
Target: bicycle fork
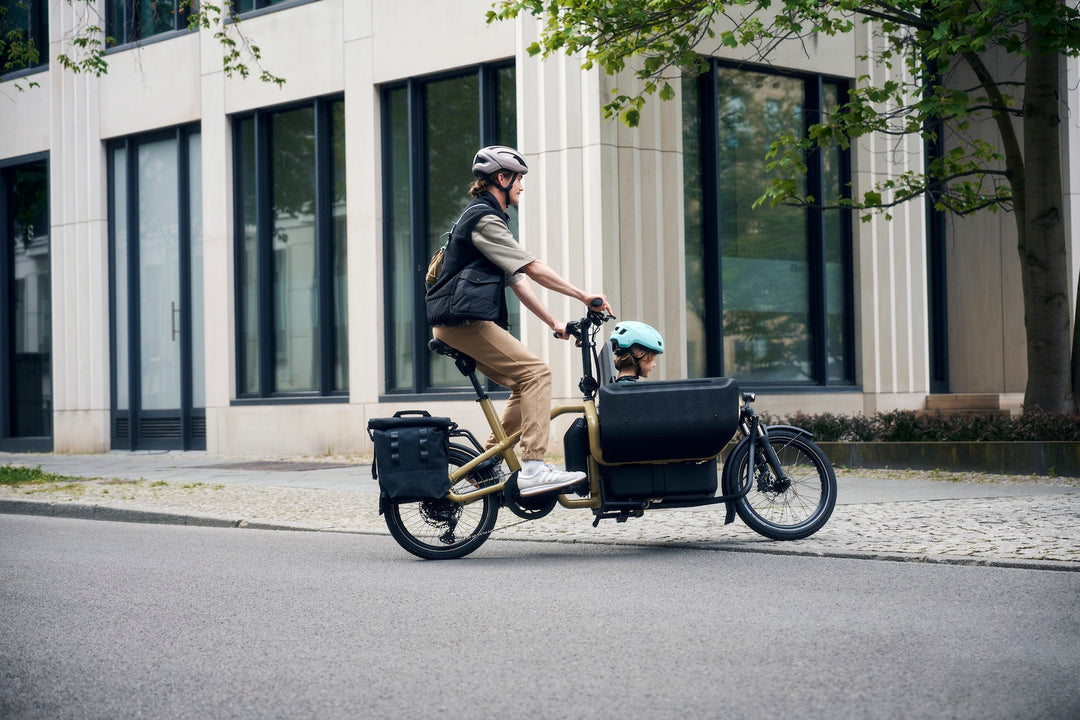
x: 759, y: 435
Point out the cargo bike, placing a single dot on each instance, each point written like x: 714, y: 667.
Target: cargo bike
x: 644, y: 447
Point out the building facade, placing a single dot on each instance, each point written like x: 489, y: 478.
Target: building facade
x: 192, y: 260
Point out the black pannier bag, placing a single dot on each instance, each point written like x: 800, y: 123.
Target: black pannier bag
x: 667, y: 419
x: 412, y: 454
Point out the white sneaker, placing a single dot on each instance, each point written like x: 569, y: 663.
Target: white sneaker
x: 546, y: 479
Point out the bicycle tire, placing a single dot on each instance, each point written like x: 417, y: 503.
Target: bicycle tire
x: 779, y: 512
x: 431, y: 529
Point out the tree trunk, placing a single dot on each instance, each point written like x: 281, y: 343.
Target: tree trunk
x: 1040, y: 223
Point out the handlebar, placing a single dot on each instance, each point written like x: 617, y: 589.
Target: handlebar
x: 592, y: 317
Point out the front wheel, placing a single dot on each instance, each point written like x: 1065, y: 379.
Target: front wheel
x: 443, y: 529
x: 792, y: 507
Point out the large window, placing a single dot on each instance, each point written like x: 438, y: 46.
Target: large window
x: 128, y: 21
x: 291, y: 317
x: 768, y: 289
x: 432, y: 128
x: 26, y: 397
x: 24, y: 35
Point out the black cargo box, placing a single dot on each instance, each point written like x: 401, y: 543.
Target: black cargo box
x: 667, y: 419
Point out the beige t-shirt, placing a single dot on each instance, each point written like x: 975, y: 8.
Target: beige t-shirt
x: 492, y: 237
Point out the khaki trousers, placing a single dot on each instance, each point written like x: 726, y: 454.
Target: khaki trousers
x: 503, y: 358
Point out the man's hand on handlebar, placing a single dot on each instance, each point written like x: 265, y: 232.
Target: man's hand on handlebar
x: 598, y: 303
x: 562, y: 330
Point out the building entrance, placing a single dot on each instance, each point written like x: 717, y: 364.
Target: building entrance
x: 156, y: 251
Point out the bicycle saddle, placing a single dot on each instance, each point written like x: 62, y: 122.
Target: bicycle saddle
x: 464, y: 363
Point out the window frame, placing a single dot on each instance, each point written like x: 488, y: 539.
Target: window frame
x: 132, y: 31
x: 712, y: 239
x: 418, y: 220
x: 266, y: 351
x: 39, y: 36
x: 262, y: 7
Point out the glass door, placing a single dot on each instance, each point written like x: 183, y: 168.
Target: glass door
x: 156, y: 242
x: 25, y: 309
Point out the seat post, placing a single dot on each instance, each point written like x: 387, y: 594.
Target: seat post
x: 468, y: 369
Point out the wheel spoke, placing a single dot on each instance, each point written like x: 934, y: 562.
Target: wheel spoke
x: 442, y: 528
x: 796, y: 504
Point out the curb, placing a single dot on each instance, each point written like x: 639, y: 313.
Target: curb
x: 85, y: 511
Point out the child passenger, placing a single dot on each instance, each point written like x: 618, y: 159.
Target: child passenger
x: 636, y: 347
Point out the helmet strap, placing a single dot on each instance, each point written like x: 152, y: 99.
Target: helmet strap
x: 506, y: 190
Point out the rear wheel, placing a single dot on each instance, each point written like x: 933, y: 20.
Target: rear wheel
x: 783, y: 508
x: 443, y: 529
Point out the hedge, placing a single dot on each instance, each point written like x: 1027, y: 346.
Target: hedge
x: 909, y: 426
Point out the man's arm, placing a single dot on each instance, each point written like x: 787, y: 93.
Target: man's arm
x: 528, y: 298
x: 542, y: 273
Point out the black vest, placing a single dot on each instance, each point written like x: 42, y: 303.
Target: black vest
x: 470, y: 287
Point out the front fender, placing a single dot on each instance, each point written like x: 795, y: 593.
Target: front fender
x: 792, y: 428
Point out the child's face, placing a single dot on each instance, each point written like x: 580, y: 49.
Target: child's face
x: 647, y: 365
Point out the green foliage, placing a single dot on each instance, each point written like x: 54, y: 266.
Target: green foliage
x: 907, y: 426
x: 209, y: 16
x: 17, y: 51
x: 927, y: 42
x: 17, y: 475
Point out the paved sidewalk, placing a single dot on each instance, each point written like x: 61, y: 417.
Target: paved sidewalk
x: 902, y: 515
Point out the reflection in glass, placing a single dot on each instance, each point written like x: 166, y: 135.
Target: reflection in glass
x: 836, y: 263
x: 25, y: 23
x: 398, y: 262
x: 692, y: 195
x: 248, y: 297
x: 156, y: 16
x: 295, y: 287
x: 506, y: 87
x: 453, y: 135
x: 340, y: 253
x: 31, y: 361
x: 764, y: 250
x: 766, y: 280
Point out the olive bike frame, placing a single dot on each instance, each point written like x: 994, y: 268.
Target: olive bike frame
x: 750, y: 426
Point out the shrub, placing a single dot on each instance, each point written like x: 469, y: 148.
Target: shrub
x: 909, y: 426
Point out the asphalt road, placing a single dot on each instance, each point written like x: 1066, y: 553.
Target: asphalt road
x: 117, y: 620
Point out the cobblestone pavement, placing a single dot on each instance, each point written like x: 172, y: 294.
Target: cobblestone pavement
x: 970, y: 518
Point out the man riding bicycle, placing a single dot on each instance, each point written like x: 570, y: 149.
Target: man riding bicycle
x: 466, y: 308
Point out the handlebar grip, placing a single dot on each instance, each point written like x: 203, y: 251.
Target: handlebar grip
x: 570, y: 331
x: 596, y: 302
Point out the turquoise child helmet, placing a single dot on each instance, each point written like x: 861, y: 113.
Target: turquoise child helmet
x: 632, y: 332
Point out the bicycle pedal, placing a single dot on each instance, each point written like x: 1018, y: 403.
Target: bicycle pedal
x: 581, y: 489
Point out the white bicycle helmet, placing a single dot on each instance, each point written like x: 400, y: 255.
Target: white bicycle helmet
x: 493, y: 158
